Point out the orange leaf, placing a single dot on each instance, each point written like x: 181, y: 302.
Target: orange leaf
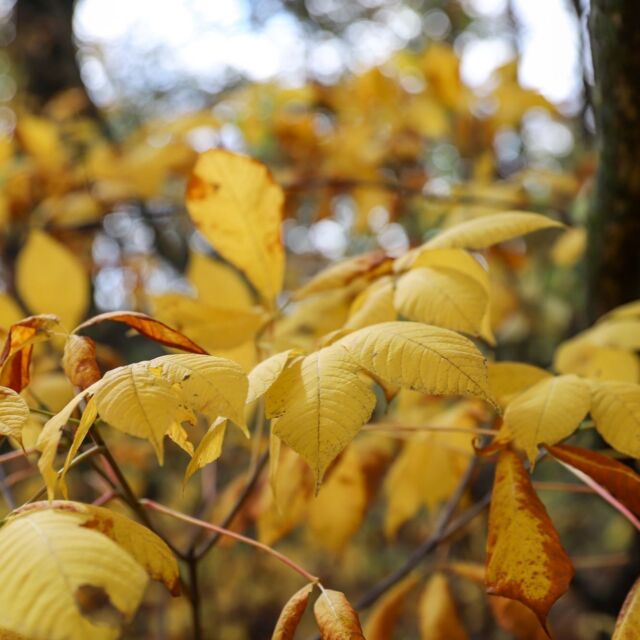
x: 525, y: 559
x: 147, y: 326
x: 628, y: 623
x: 16, y: 353
x: 291, y: 614
x: 385, y: 614
x: 79, y: 361
x: 437, y: 612
x: 336, y: 617
x: 618, y: 479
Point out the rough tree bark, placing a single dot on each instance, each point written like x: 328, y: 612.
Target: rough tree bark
x: 613, y: 258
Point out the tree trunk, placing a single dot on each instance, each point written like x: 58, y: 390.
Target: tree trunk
x: 613, y: 258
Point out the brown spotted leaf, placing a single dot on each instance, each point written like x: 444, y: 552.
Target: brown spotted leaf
x: 336, y: 617
x: 525, y: 559
x: 291, y: 614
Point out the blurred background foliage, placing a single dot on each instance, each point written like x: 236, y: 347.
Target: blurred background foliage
x: 385, y: 121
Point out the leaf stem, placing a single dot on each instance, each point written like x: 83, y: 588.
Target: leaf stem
x: 155, y: 506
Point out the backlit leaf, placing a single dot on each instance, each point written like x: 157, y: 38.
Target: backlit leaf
x: 291, y: 614
x: 508, y: 379
x: 336, y: 617
x: 14, y: 413
x: 437, y: 612
x: 79, y: 361
x: 209, y: 448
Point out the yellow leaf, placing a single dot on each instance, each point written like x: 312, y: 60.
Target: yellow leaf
x: 525, y: 559
x: 437, y: 612
x: 508, y: 379
x: 424, y: 358
x: 628, y: 622
x: 615, y: 408
x: 14, y: 413
x: 291, y: 614
x: 236, y: 205
x: 10, y: 312
x: 79, y: 361
x: 386, y: 612
x: 482, y: 232
x: 582, y: 357
x: 61, y: 579
x: 265, y: 374
x: 372, y: 306
x: 51, y: 279
x: 442, y: 297
x: 318, y: 405
x: 209, y: 448
x: 569, y: 247
x: 336, y: 617
x: 629, y: 310
x: 549, y: 411
x: 212, y: 327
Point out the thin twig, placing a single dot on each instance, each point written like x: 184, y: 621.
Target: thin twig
x: 14, y: 455
x: 246, y: 492
x: 390, y: 428
x: 155, y: 506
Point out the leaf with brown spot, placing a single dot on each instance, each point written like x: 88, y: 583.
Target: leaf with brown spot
x: 618, y: 479
x: 525, y: 558
x: 628, y: 622
x: 148, y: 327
x: 385, y: 614
x: 79, y: 361
x: 16, y: 353
x: 291, y: 614
x: 336, y: 617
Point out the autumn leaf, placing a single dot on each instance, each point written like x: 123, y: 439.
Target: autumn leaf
x: 437, y: 612
x: 147, y: 326
x: 51, y: 279
x: 386, y: 612
x: 622, y: 482
x: 549, y: 411
x: 525, y: 559
x: 336, y: 617
x: 615, y: 408
x: 79, y: 361
x: 237, y: 206
x: 508, y: 379
x: 291, y: 614
x: 76, y: 571
x: 628, y: 622
x: 209, y: 449
x: 318, y: 405
x: 420, y: 357
x: 14, y: 413
x: 265, y: 374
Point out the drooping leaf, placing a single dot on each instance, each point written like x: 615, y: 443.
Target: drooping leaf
x: 209, y: 448
x: 51, y: 279
x: 372, y: 306
x: 264, y: 375
x: 547, y: 412
x: 291, y: 614
x: 79, y: 361
x: 60, y: 579
x: 442, y: 297
x: 508, y: 379
x: 420, y: 357
x: 14, y: 413
x: 437, y: 612
x: 628, y: 622
x: 525, y: 559
x: 622, y: 482
x: 386, y: 612
x: 615, y: 408
x: 318, y: 405
x: 147, y: 326
x: 369, y: 265
x: 15, y: 359
x: 236, y: 205
x: 484, y: 231
x: 336, y: 617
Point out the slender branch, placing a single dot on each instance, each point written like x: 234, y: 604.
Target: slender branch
x: 603, y: 493
x: 14, y: 455
x: 442, y: 531
x: 389, y: 428
x: 246, y: 492
x: 155, y: 506
x: 195, y: 596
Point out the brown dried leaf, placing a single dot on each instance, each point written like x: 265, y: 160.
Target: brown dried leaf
x: 291, y: 614
x: 336, y: 617
x: 79, y: 361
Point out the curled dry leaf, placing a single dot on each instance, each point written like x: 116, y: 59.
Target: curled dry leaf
x: 14, y: 413
x: 15, y: 359
x: 291, y: 614
x: 147, y: 326
x: 79, y: 361
x: 336, y: 617
x: 525, y: 559
x: 622, y: 482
